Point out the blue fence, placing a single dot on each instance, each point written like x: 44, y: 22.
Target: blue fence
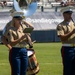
x: 45, y: 36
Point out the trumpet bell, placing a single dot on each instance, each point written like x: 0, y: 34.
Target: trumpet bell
x: 26, y: 6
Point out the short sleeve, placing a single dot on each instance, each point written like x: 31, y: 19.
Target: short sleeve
x: 4, y: 30
x: 10, y: 35
x: 60, y: 30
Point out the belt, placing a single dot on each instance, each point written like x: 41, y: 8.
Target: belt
x: 69, y: 45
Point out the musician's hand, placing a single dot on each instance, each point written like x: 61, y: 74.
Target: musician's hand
x: 30, y: 46
x: 10, y: 47
x: 23, y: 36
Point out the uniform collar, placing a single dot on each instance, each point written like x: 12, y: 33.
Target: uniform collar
x: 68, y: 22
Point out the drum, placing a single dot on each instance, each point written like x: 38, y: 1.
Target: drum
x: 33, y: 66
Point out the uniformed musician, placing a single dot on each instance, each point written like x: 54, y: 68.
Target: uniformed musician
x: 8, y: 25
x: 66, y: 33
x: 17, y: 41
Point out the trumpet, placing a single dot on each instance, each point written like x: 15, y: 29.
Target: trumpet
x: 27, y: 6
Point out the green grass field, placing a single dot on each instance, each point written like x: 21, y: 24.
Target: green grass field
x: 48, y: 56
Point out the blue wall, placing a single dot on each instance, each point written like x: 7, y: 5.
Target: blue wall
x: 45, y: 36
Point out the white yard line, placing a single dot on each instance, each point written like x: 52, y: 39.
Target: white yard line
x: 39, y: 63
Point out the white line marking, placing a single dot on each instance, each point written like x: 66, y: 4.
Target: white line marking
x: 39, y: 63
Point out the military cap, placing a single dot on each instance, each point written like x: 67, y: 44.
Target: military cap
x: 67, y: 9
x: 17, y: 14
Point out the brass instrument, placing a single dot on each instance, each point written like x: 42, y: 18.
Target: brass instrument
x: 27, y: 6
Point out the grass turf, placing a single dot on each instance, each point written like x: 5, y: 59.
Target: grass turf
x: 47, y: 54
